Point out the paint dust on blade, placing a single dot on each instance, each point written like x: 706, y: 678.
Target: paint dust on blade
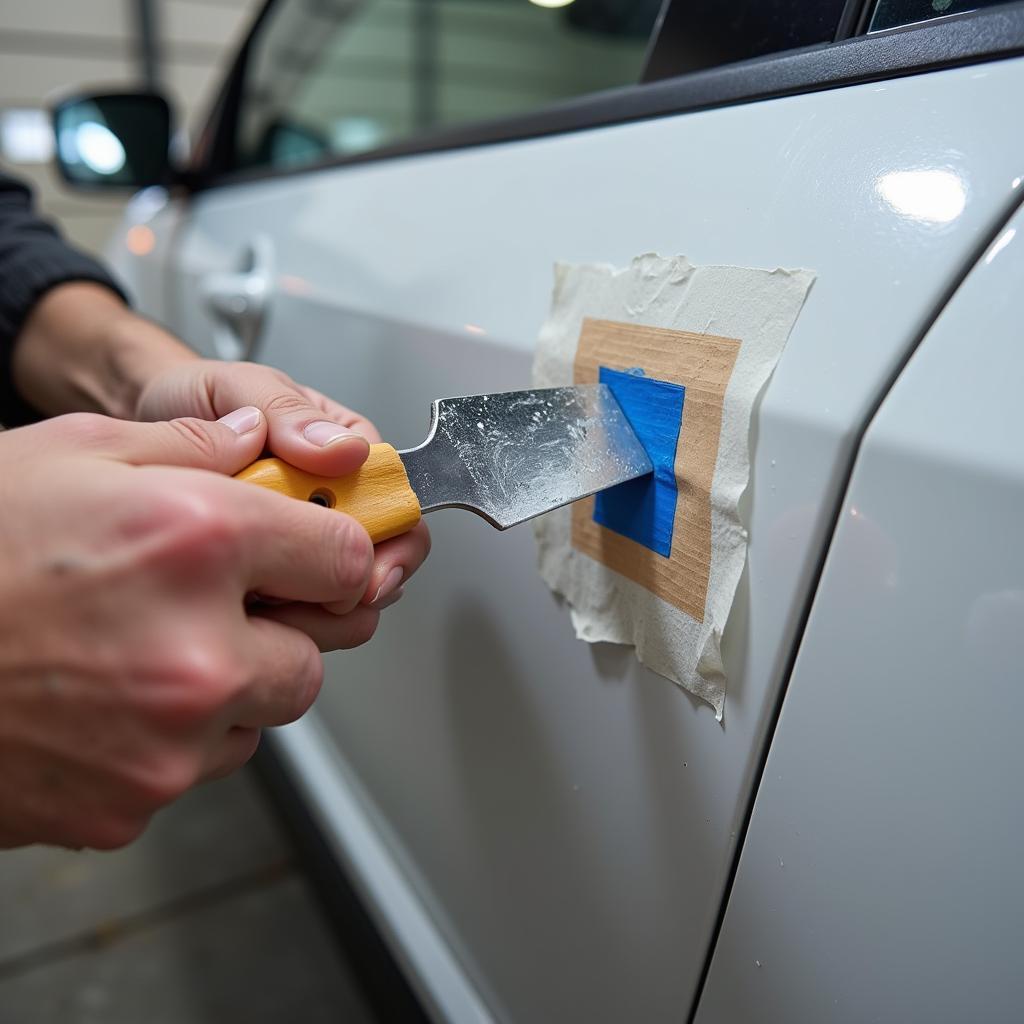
x: 514, y: 455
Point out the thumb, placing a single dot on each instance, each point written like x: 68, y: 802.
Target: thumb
x: 306, y: 437
x: 224, y: 446
x: 304, y: 428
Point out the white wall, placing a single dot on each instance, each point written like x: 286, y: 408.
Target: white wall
x: 49, y: 48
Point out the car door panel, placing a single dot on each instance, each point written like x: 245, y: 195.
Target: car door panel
x: 566, y: 818
x: 876, y: 881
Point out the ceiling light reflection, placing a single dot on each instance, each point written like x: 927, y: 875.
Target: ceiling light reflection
x: 1000, y: 244
x: 932, y: 196
x: 26, y: 136
x: 94, y: 145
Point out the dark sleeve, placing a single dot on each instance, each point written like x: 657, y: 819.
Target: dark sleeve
x: 33, y: 259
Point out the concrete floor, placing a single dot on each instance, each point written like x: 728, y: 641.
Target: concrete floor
x: 204, y: 919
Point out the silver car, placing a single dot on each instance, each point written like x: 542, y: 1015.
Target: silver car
x: 544, y: 830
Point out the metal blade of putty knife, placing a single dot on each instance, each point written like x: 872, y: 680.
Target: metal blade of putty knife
x: 508, y: 457
x: 511, y: 456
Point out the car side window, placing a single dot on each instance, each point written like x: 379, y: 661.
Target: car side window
x: 340, y: 77
x: 892, y: 13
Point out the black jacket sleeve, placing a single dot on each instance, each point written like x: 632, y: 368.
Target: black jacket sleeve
x: 33, y: 259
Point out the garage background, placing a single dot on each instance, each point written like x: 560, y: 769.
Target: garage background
x: 50, y: 47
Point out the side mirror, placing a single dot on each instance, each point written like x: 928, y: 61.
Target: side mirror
x: 113, y: 141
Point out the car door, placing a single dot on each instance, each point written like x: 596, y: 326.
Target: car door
x: 882, y: 885
x: 545, y: 830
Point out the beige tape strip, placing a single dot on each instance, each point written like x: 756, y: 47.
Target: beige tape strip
x: 703, y: 364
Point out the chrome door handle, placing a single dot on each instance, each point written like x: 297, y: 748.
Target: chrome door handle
x: 238, y: 301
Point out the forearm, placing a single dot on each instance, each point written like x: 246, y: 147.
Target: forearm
x: 82, y: 349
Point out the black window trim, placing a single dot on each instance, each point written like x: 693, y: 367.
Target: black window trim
x: 993, y: 33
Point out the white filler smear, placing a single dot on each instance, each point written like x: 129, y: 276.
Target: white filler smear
x: 756, y: 307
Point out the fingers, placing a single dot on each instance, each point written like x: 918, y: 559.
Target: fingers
x: 301, y: 434
x: 231, y: 753
x: 285, y: 671
x: 224, y: 446
x: 394, y: 562
x: 307, y: 429
x: 318, y: 437
x: 337, y: 625
x: 349, y: 417
x: 296, y: 550
x: 329, y: 631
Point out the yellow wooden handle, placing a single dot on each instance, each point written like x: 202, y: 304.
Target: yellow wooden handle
x: 377, y: 494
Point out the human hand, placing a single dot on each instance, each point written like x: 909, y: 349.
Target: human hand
x: 83, y: 349
x: 304, y: 428
x: 130, y: 666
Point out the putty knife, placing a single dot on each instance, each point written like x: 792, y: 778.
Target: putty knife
x: 507, y: 457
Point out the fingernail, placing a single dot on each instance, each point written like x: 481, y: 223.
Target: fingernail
x: 241, y: 421
x: 391, y: 582
x: 323, y: 432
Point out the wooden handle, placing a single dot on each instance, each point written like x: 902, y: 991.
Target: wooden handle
x: 377, y: 494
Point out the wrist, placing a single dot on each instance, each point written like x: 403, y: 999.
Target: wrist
x: 137, y: 351
x: 82, y: 349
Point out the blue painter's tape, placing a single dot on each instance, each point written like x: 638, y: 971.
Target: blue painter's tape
x: 645, y: 510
